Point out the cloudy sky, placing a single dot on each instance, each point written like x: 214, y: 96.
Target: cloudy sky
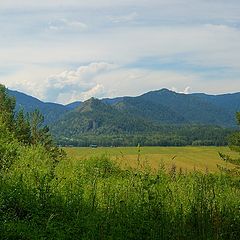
x: 67, y: 50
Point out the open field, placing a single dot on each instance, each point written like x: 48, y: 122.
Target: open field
x: 186, y: 158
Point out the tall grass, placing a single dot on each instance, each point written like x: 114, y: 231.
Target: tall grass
x: 96, y: 199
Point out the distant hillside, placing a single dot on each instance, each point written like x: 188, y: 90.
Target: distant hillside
x: 161, y: 107
x: 73, y: 105
x: 150, y: 111
x: 168, y: 107
x: 162, y: 113
x: 94, y: 116
x: 51, y: 111
x: 228, y: 102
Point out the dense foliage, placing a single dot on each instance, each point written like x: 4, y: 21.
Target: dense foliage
x: 95, y: 199
x: 234, y: 144
x: 21, y: 130
x: 165, y: 136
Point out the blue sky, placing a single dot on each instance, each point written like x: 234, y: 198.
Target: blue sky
x: 67, y: 50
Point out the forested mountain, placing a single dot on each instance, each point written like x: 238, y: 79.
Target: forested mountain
x: 228, y: 102
x: 165, y: 106
x: 94, y: 116
x: 73, y: 105
x: 162, y: 106
x: 157, y: 113
x: 51, y: 111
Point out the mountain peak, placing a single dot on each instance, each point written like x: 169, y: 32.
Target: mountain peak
x: 164, y: 90
x: 91, y: 104
x: 92, y: 101
x: 159, y: 92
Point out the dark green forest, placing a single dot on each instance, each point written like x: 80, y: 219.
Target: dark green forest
x: 169, y: 136
x: 94, y: 122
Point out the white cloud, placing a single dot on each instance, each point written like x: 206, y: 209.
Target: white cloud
x: 67, y: 25
x: 66, y: 97
x: 185, y: 91
x: 79, y: 84
x: 123, y: 18
x: 132, y: 82
x: 107, y: 80
x: 96, y: 91
x: 207, y: 45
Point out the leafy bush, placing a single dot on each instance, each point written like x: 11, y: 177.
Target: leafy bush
x: 234, y: 145
x: 100, y: 166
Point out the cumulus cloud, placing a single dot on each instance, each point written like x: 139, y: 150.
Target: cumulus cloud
x: 96, y: 91
x: 79, y: 84
x: 103, y: 79
x: 185, y: 91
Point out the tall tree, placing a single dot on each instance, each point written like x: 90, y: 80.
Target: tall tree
x: 234, y: 145
x: 22, y: 128
x: 7, y: 106
x: 39, y: 133
x: 16, y: 128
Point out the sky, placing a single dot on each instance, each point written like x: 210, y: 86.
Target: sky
x: 67, y: 50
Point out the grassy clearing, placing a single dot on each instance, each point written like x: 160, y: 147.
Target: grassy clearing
x: 187, y: 158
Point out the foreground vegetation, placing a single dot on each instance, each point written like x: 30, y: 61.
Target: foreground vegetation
x: 95, y: 199
x: 46, y: 195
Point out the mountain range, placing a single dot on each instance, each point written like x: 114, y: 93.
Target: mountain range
x: 161, y: 106
x: 131, y: 115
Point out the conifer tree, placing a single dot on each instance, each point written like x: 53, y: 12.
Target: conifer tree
x: 7, y: 106
x: 39, y: 133
x: 234, y: 145
x: 22, y: 127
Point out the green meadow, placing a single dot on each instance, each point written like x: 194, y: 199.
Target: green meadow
x: 184, y: 158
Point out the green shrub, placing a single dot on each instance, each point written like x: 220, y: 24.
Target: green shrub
x: 100, y: 166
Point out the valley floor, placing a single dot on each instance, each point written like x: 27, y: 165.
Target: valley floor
x: 184, y: 158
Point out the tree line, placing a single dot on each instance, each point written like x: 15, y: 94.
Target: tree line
x: 169, y: 136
